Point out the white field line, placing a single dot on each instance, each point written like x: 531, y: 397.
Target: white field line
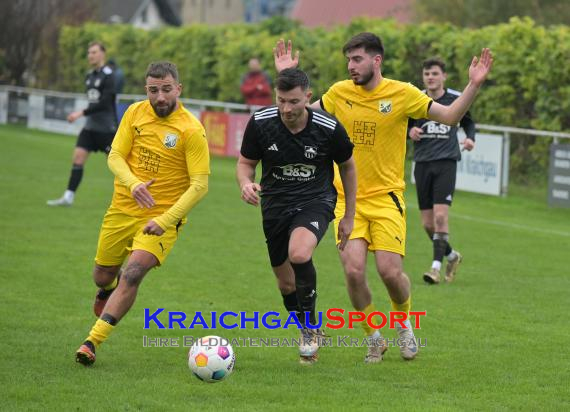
x: 526, y: 228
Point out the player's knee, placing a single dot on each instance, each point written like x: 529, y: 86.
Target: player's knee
x: 355, y: 274
x: 300, y: 255
x: 392, y: 275
x: 104, y: 275
x: 79, y: 157
x: 101, y: 281
x: 440, y: 219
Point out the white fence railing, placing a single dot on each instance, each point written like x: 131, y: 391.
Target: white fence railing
x: 484, y: 170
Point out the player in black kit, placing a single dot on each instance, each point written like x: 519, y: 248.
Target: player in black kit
x: 101, y: 123
x: 436, y: 153
x: 297, y: 147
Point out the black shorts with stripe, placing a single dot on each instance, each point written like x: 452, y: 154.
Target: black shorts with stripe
x: 435, y: 182
x: 314, y: 216
x: 93, y: 141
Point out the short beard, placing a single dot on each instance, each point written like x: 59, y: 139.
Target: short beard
x: 365, y: 79
x: 164, y: 111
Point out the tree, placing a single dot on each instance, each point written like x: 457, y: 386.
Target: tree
x: 29, y: 35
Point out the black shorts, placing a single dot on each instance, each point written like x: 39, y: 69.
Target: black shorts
x: 435, y: 182
x: 95, y: 141
x: 315, y: 217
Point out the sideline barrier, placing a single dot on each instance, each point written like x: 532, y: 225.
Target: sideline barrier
x: 484, y: 170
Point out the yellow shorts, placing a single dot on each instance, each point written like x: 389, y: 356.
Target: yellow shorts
x: 380, y: 220
x: 121, y: 234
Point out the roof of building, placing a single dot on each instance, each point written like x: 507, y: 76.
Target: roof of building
x: 113, y: 11
x: 329, y: 12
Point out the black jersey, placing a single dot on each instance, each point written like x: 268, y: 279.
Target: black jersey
x: 101, y: 113
x: 297, y: 169
x: 439, y: 141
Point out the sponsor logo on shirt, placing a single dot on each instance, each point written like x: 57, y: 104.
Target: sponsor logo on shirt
x: 435, y: 130
x: 296, y: 171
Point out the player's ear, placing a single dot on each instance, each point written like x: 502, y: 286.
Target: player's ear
x: 378, y: 60
x: 309, y: 94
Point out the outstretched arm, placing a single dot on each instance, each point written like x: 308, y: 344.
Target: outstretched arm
x: 478, y: 71
x: 283, y: 56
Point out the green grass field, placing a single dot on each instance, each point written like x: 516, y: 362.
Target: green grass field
x: 496, y: 339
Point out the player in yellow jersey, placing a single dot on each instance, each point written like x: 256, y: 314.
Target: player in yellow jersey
x: 161, y: 164
x: 375, y: 110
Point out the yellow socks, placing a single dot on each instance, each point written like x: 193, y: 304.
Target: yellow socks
x: 402, y: 307
x: 368, y: 330
x: 100, y: 332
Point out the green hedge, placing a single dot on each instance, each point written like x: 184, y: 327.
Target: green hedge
x: 529, y: 86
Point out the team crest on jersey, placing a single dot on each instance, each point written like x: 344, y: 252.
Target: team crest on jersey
x: 170, y: 140
x: 385, y: 106
x: 310, y: 152
x: 97, y: 82
x: 93, y: 95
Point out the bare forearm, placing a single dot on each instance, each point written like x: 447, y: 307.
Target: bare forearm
x: 347, y: 172
x: 452, y: 114
x: 245, y: 173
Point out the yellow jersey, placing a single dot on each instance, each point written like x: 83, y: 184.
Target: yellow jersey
x: 169, y: 150
x: 376, y: 122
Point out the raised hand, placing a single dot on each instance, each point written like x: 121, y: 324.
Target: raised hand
x: 283, y: 56
x: 481, y: 67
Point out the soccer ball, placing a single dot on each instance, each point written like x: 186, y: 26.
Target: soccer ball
x: 211, y: 359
